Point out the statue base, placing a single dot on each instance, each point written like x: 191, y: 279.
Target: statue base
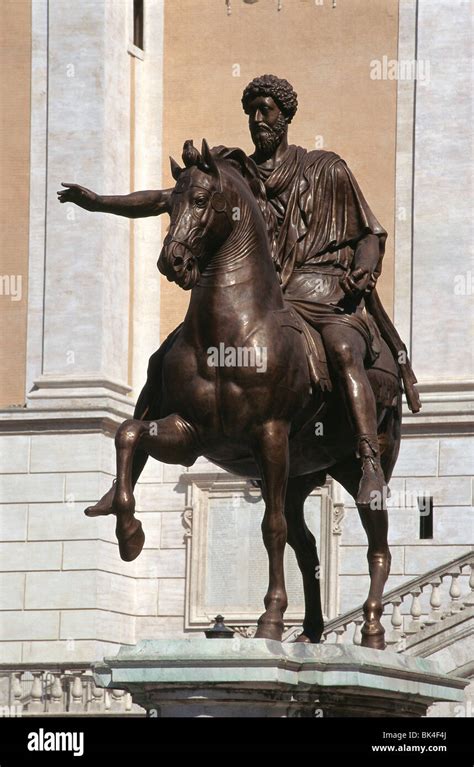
x: 264, y: 678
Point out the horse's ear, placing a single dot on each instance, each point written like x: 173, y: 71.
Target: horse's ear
x: 175, y: 169
x: 208, y: 158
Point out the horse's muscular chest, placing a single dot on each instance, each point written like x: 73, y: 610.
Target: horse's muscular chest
x: 201, y: 393
x: 226, y: 399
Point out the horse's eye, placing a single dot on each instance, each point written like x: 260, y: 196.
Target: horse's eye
x: 201, y: 202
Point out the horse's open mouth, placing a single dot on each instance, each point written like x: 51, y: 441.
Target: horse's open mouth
x: 179, y: 264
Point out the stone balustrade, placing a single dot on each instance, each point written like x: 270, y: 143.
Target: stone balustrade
x: 422, y: 602
x: 52, y: 689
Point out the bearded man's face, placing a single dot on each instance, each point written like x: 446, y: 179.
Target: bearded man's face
x: 267, y: 124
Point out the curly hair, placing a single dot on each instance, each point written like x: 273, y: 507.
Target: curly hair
x: 280, y: 90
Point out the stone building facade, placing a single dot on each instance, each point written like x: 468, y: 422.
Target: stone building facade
x: 83, y: 307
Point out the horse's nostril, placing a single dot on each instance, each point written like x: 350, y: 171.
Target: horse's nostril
x: 178, y: 261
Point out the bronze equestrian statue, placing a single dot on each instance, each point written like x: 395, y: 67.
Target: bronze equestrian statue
x: 282, y: 254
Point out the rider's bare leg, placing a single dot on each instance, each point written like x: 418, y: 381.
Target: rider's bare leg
x: 346, y: 351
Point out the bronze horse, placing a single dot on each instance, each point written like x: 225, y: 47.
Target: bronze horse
x: 256, y: 422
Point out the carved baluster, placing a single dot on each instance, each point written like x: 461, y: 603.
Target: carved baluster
x: 117, y: 702
x: 357, y: 638
x: 76, y: 703
x: 455, y: 591
x: 128, y: 702
x: 16, y: 691
x: 36, y: 694
x: 97, y: 701
x: 415, y: 612
x: 397, y: 621
x: 470, y: 598
x: 435, y: 602
x: 56, y: 704
x: 340, y: 631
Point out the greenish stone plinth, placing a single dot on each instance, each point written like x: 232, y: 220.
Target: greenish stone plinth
x: 263, y: 678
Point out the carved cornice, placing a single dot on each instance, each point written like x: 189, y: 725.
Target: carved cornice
x: 447, y: 409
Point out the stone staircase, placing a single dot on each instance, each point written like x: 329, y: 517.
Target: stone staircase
x: 421, y: 615
x: 431, y: 616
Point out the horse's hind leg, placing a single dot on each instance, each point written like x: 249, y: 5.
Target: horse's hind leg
x: 375, y: 523
x: 271, y: 453
x: 170, y: 440
x: 303, y: 543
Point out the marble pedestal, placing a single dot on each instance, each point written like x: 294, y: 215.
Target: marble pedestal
x: 263, y: 678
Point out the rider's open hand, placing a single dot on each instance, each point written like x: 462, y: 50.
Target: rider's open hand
x: 357, y: 283
x: 79, y: 195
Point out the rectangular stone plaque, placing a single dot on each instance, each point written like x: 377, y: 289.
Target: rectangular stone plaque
x: 226, y: 560
x: 237, y: 561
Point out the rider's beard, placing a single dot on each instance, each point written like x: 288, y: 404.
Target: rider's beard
x: 267, y: 139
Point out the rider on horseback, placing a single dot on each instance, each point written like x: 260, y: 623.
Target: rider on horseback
x: 329, y: 249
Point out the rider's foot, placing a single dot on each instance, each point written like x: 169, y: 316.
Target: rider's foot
x: 372, y: 486
x: 104, y: 506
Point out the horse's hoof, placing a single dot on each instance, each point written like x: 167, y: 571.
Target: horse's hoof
x: 306, y: 639
x: 303, y: 638
x: 373, y: 637
x: 131, y: 543
x: 269, y: 629
x: 104, y: 506
x: 98, y: 511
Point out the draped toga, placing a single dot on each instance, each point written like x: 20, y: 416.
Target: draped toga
x: 320, y: 216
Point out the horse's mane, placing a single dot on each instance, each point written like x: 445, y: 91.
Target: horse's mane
x: 246, y: 167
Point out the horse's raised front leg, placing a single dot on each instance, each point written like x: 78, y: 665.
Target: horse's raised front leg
x: 143, y: 409
x: 170, y: 440
x: 272, y: 456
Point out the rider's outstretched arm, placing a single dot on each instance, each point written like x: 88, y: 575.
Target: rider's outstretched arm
x: 135, y: 205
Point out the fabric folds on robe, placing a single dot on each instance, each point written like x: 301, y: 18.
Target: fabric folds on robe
x: 324, y: 213
x: 320, y: 214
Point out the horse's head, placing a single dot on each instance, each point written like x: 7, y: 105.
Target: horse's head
x: 200, y: 215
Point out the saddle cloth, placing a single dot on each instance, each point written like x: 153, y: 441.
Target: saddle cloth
x: 382, y: 373
x: 315, y: 354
